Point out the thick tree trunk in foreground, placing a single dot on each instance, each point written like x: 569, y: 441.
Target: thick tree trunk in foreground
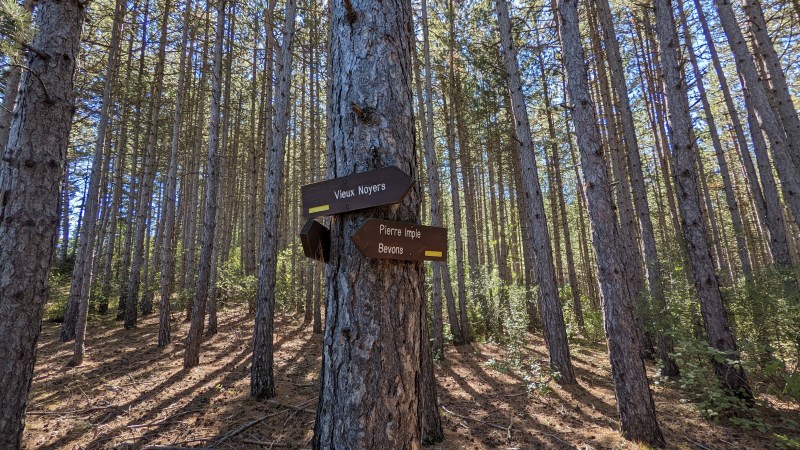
x: 370, y: 384
x: 684, y: 151
x: 262, y: 383
x: 30, y: 176
x: 634, y: 401
x: 555, y: 332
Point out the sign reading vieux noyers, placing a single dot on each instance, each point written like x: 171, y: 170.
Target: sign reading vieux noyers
x: 377, y: 187
x: 386, y: 239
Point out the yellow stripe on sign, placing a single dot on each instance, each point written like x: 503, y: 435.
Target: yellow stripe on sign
x: 433, y: 254
x: 318, y: 209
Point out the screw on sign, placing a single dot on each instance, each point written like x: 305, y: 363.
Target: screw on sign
x: 369, y: 189
x: 386, y: 239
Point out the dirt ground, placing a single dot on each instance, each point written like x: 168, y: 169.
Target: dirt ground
x: 131, y: 394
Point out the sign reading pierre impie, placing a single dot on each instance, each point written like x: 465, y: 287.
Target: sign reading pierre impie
x: 377, y: 187
x: 387, y: 239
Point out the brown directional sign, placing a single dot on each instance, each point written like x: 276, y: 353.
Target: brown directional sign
x: 316, y: 241
x: 386, y: 239
x: 377, y: 187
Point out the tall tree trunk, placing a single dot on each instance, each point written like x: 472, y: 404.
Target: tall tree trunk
x: 730, y: 196
x: 464, y: 149
x: 434, y: 188
x: 262, y: 383
x: 450, y: 132
x: 30, y: 174
x: 552, y: 316
x: 634, y: 401
x: 733, y: 114
x: 641, y: 203
x: 778, y: 87
x: 148, y: 173
x: 65, y: 196
x: 581, y: 194
x: 74, y: 325
x: 116, y: 204
x: 168, y: 250
x: 559, y: 189
x: 457, y: 223
x: 192, y: 356
x: 370, y: 384
x: 786, y: 159
x: 684, y: 150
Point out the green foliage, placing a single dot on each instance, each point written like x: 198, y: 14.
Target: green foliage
x: 592, y: 318
x: 15, y: 28
x: 233, y: 287
x: 784, y: 441
x: 58, y: 293
x: 699, y: 381
x: 791, y: 387
x: 515, y: 324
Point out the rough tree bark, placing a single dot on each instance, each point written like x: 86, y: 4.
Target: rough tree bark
x: 652, y: 262
x: 552, y: 317
x: 779, y: 88
x: 262, y: 383
x: 634, y: 401
x: 457, y: 222
x: 730, y: 196
x: 434, y: 188
x: 148, y: 174
x: 763, y: 198
x: 192, y: 356
x: 168, y: 250
x: 684, y: 152
x: 786, y: 158
x: 370, y: 384
x: 30, y: 176
x: 83, y: 272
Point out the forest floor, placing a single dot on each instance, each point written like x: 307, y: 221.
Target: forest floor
x: 130, y: 394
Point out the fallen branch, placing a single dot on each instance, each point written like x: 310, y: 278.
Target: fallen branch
x: 696, y: 444
x: 167, y: 447
x: 503, y: 394
x: 268, y: 444
x: 558, y: 439
x: 502, y: 428
x: 70, y: 412
x: 176, y: 445
x: 255, y: 421
x: 163, y: 421
x: 493, y: 425
x: 296, y: 408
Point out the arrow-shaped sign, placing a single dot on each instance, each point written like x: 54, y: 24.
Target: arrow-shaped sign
x: 316, y: 239
x: 377, y: 187
x: 386, y: 239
